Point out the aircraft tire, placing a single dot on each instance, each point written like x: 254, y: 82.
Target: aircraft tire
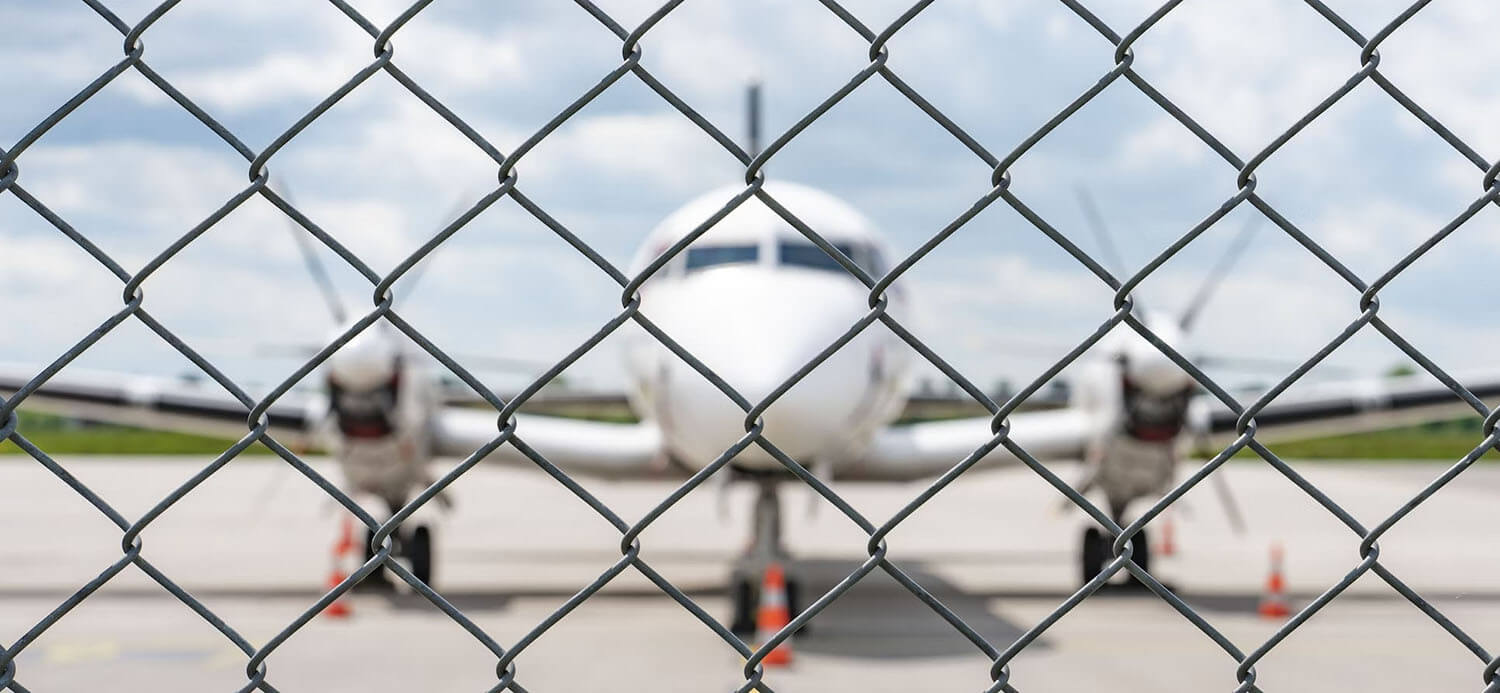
x: 795, y: 605
x: 1094, y: 553
x: 742, y: 598
x: 1142, y: 555
x: 380, y: 579
x: 419, y: 552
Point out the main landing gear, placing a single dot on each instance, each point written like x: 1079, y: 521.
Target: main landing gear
x: 1097, y: 552
x: 750, y: 568
x: 412, y: 544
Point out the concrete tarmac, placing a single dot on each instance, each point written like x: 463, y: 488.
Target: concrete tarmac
x: 253, y: 544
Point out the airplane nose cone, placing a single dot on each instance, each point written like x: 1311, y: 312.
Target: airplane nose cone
x: 1150, y: 368
x: 366, y: 361
x: 801, y: 419
x: 1157, y: 373
x: 756, y: 341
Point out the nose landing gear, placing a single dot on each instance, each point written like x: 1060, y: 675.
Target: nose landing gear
x: 750, y: 568
x: 415, y: 546
x: 1097, y: 551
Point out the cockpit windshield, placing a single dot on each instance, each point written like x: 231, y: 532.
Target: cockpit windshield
x: 789, y: 253
x: 800, y: 254
x: 809, y: 255
x: 714, y: 255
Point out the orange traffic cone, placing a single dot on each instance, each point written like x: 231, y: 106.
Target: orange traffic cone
x: 773, y: 615
x: 343, y: 554
x: 1274, y: 604
x: 1168, y: 542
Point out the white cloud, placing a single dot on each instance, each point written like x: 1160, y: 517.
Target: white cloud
x: 664, y: 149
x: 1246, y: 71
x: 379, y: 170
x: 60, y: 295
x: 271, y: 79
x: 1432, y: 59
x: 1000, y: 315
x: 378, y: 231
x: 162, y: 183
x: 487, y: 58
x: 300, y: 73
x: 1378, y: 231
x: 1163, y: 142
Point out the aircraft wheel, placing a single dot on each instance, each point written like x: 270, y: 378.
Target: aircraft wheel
x: 419, y: 552
x: 380, y: 579
x: 795, y: 604
x: 1142, y: 555
x: 742, y: 598
x: 1094, y: 554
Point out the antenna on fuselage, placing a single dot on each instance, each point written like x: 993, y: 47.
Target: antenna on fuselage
x: 752, y: 118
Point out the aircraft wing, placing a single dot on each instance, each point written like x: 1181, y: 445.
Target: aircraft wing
x: 593, y: 448
x: 1355, y: 406
x: 922, y: 450
x: 168, y: 404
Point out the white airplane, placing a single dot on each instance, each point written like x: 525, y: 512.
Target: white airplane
x: 754, y: 301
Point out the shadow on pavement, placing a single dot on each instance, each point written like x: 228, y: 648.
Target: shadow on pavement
x: 879, y: 618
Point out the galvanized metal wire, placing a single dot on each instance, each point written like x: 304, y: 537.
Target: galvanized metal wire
x: 1242, y: 658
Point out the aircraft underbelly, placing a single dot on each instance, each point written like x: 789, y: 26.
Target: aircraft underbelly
x: 385, y: 466
x: 1131, y: 468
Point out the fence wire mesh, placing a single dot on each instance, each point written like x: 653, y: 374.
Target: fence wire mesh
x: 633, y: 46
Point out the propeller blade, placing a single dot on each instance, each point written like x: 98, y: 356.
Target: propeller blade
x: 1226, y: 498
x: 1219, y: 272
x: 499, y: 364
x: 1100, y: 230
x: 723, y: 485
x: 415, y: 274
x: 314, y: 264
x: 823, y: 469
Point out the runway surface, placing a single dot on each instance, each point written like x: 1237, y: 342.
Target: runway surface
x: 253, y: 544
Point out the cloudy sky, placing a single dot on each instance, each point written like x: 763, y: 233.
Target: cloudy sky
x: 380, y: 171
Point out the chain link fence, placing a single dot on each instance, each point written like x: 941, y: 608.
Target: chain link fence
x: 633, y: 45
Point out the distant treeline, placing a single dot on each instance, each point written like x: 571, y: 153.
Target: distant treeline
x: 1444, y: 440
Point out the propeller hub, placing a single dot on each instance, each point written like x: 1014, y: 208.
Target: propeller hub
x: 367, y: 361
